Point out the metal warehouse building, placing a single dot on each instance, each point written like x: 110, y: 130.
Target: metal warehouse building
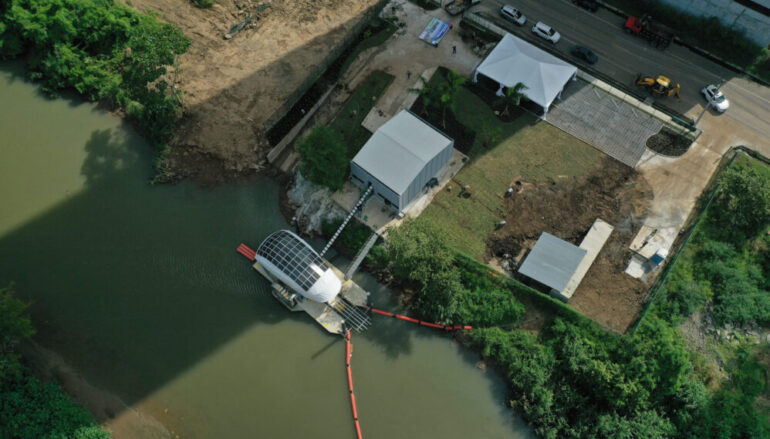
x: 400, y: 159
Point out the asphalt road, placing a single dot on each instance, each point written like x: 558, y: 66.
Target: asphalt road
x: 623, y: 56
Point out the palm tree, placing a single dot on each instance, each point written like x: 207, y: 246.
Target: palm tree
x: 439, y: 96
x: 449, y: 91
x: 512, y: 97
x: 430, y: 94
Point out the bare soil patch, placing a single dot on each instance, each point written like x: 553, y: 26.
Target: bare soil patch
x: 567, y: 207
x: 234, y: 87
x: 669, y: 143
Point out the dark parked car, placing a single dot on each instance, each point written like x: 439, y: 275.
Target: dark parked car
x: 590, y: 5
x: 585, y: 54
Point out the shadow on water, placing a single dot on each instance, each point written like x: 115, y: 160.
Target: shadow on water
x: 133, y: 285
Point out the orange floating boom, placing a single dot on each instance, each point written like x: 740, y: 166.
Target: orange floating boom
x: 408, y: 319
x: 384, y: 313
x: 419, y: 322
x: 353, y: 404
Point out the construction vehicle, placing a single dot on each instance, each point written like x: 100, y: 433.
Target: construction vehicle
x: 661, y: 86
x: 657, y: 34
x: 457, y: 7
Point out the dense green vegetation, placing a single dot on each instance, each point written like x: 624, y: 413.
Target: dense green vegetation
x: 30, y: 408
x: 726, y: 262
x: 105, y: 51
x: 707, y: 33
x: 447, y: 292
x: 323, y: 156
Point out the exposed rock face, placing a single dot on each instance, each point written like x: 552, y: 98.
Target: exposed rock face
x: 314, y: 205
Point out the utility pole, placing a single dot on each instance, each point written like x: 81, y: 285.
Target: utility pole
x: 708, y: 103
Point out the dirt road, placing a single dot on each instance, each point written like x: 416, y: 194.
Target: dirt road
x: 233, y: 86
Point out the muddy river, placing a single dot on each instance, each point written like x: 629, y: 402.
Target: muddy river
x: 139, y: 289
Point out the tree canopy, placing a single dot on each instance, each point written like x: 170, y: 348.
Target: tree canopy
x: 745, y: 198
x: 105, y: 51
x: 30, y: 408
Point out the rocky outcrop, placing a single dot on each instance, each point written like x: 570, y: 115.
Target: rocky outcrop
x: 313, y: 205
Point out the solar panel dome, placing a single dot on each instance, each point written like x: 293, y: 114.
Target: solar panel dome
x: 292, y: 260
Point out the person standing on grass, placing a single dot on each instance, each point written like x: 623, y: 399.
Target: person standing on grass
x: 454, y: 50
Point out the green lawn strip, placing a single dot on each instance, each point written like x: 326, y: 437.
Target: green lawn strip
x: 527, y: 149
x: 465, y: 223
x: 379, y: 31
x: 348, y: 121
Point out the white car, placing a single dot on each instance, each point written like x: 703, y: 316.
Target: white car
x: 715, y: 98
x: 544, y: 31
x: 512, y: 14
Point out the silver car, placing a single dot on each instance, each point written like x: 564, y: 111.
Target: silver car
x: 512, y: 14
x: 544, y: 31
x: 715, y: 98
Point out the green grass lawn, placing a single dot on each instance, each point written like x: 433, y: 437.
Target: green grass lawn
x: 348, y: 121
x: 376, y: 33
x: 525, y: 148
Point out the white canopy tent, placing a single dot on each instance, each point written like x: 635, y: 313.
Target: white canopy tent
x: 514, y: 60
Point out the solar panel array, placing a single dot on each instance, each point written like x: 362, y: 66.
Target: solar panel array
x: 294, y: 257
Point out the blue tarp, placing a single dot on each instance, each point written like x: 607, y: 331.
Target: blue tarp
x: 434, y: 32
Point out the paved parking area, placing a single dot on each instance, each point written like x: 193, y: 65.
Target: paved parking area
x: 604, y: 121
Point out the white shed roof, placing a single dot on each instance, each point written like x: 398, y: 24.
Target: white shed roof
x: 399, y: 149
x: 514, y: 60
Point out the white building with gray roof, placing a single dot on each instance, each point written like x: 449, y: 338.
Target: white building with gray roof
x: 401, y: 158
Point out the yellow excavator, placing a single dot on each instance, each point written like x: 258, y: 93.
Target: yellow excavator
x: 660, y: 86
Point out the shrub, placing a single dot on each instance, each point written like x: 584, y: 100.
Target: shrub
x: 745, y: 199
x: 324, y: 159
